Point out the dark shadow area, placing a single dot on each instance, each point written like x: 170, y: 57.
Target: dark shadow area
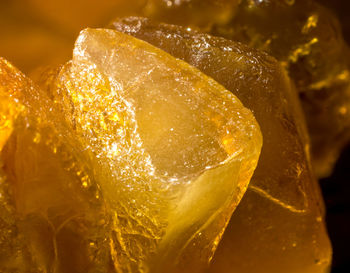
x: 342, y: 9
x: 336, y: 191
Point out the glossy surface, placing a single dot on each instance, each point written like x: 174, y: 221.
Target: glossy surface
x: 302, y: 34
x: 146, y: 159
x: 307, y: 39
x: 49, y: 222
x: 281, y: 214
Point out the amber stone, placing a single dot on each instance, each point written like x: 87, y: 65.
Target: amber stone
x: 129, y: 161
x: 176, y: 150
x: 279, y: 225
x: 50, y: 219
x: 306, y: 38
x: 301, y: 34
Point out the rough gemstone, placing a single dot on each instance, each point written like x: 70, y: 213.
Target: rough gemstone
x: 50, y: 221
x: 194, y: 148
x: 159, y: 155
x: 278, y: 226
x: 306, y: 37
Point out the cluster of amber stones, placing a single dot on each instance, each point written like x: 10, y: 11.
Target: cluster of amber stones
x: 133, y: 156
x: 126, y: 160
x: 307, y: 39
x: 280, y: 207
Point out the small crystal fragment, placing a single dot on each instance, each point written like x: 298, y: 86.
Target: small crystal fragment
x: 281, y: 214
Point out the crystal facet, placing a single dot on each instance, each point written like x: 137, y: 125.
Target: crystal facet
x: 307, y: 39
x: 49, y: 221
x: 282, y: 210
x: 150, y: 158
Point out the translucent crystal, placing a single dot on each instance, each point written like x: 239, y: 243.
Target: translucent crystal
x: 150, y: 157
x: 50, y: 221
x: 306, y: 38
x: 278, y: 226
